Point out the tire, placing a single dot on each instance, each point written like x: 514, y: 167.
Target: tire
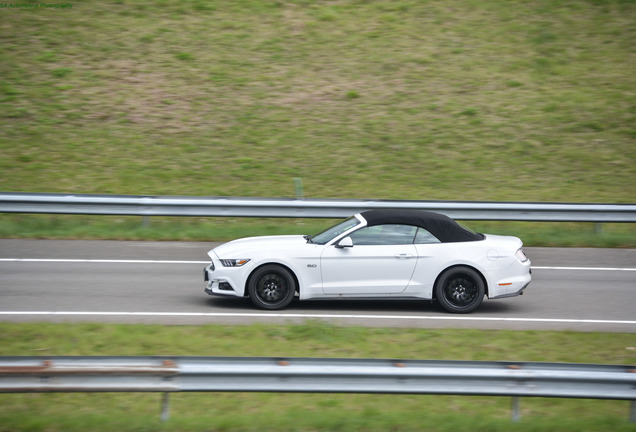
x: 460, y: 289
x: 271, y: 287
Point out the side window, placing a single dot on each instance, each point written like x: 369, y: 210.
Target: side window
x: 384, y: 235
x: 424, y: 237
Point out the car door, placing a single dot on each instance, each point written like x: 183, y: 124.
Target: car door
x: 380, y: 262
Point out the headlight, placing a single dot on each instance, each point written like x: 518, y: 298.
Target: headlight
x: 521, y: 256
x: 234, y: 262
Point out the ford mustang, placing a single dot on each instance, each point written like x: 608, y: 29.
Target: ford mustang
x: 373, y: 254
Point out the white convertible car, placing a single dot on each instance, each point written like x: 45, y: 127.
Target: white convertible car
x: 374, y: 254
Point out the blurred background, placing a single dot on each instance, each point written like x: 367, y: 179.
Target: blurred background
x: 419, y: 100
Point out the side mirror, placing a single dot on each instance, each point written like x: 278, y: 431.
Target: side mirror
x: 345, y: 243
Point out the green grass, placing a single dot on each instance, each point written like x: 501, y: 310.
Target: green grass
x: 462, y: 100
x: 224, y: 229
x: 309, y: 412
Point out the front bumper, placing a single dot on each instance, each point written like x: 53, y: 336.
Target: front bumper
x: 216, y: 284
x: 206, y: 278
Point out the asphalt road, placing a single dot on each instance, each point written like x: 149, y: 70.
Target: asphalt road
x: 161, y: 282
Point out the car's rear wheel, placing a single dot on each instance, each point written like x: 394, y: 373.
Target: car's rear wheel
x: 460, y: 289
x: 271, y: 287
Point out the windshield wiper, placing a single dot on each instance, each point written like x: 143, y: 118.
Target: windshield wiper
x: 308, y: 238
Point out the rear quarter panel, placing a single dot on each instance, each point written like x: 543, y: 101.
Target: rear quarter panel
x: 493, y: 257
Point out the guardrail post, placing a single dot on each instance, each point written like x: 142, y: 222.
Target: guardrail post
x: 298, y: 186
x: 632, y: 411
x: 165, y: 406
x: 516, y: 412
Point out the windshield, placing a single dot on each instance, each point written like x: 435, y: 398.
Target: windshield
x: 334, y: 231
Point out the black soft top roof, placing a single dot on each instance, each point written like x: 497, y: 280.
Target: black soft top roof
x: 441, y: 226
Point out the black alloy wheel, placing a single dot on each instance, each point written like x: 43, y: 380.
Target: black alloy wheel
x: 271, y: 287
x: 460, y: 289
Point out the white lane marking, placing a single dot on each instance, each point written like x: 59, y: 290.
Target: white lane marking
x: 100, y: 261
x: 585, y: 268
x: 120, y: 261
x: 331, y: 316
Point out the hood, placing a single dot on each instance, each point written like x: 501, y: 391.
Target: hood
x: 238, y: 248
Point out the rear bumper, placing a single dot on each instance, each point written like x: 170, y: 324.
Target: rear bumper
x: 512, y: 294
x: 511, y: 286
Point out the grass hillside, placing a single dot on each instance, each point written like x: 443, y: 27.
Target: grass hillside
x: 403, y: 99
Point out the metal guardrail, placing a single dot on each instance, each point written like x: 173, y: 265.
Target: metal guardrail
x: 306, y: 208
x: 316, y: 375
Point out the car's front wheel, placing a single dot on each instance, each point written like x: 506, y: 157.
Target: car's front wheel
x: 460, y: 289
x: 271, y: 287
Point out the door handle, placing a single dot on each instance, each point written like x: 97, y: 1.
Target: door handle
x: 403, y: 255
